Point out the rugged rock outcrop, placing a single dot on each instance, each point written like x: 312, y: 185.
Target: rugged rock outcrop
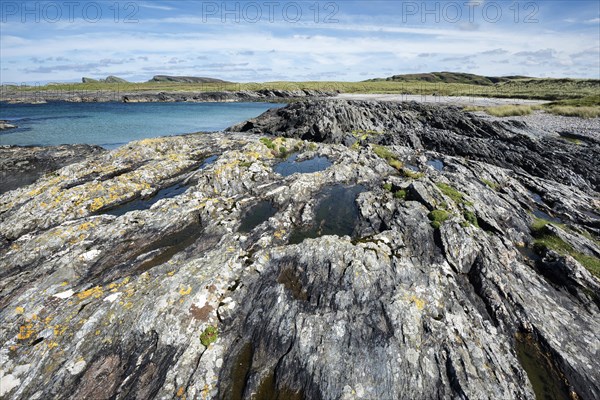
x: 444, y: 129
x: 360, y: 281
x: 244, y: 95
x: 21, y: 166
x: 93, y: 96
x: 108, y: 79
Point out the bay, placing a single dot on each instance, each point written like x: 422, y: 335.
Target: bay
x: 111, y: 125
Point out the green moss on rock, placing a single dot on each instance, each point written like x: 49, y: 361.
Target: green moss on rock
x: 438, y: 217
x: 210, y: 335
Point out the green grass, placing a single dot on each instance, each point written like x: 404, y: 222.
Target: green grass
x: 363, y: 135
x: 268, y: 142
x: 591, y: 263
x: 459, y: 199
x: 210, y: 335
x: 388, y: 156
x: 510, y: 110
x: 397, y: 164
x: 539, y: 225
x: 546, y: 240
x: 471, y: 218
x: 400, y: 194
x: 572, y: 111
x: 455, y: 195
x: 584, y: 107
x: 473, y: 108
x: 383, y: 152
x: 438, y: 217
x: 412, y: 174
x: 588, y: 101
x: 529, y: 88
x: 280, y: 152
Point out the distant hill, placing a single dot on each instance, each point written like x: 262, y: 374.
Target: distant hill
x: 451, y: 77
x: 185, y: 79
x: 108, y: 79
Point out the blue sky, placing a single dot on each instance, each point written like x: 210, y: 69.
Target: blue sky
x: 255, y: 41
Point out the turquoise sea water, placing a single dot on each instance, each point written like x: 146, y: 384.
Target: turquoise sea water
x: 113, y: 124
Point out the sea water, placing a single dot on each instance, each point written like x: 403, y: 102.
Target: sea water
x: 113, y: 124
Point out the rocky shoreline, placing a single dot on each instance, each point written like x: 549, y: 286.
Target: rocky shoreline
x: 434, y: 255
x: 79, y: 96
x: 507, y: 143
x: 22, y: 166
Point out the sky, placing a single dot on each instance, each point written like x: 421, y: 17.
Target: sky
x: 258, y: 41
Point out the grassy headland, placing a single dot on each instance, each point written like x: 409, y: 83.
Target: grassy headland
x: 452, y: 84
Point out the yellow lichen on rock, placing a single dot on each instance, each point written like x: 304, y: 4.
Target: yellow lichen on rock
x: 184, y: 292
x: 59, y: 330
x: 95, y: 292
x: 78, y: 239
x: 86, y: 226
x: 419, y: 303
x: 255, y: 155
x: 26, y: 331
x: 52, y: 183
x: 97, y: 204
x: 205, y: 391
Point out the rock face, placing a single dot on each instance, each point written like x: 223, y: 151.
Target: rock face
x: 444, y: 129
x: 177, y: 301
x: 21, y: 166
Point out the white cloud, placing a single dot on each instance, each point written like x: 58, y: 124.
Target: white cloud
x: 279, y: 51
x: 155, y: 7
